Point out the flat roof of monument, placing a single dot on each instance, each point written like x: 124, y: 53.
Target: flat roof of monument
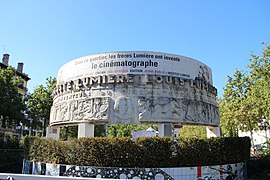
x: 133, y: 51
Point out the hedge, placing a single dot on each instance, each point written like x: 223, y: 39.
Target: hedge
x: 11, y: 155
x: 44, y: 150
x: 259, y: 167
x: 11, y: 160
x: 9, y: 143
x: 144, y: 152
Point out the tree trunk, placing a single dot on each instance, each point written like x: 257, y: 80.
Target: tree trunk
x: 251, y: 133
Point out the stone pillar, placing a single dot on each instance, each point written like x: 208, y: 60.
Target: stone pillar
x: 86, y: 130
x: 213, y: 131
x: 53, y: 132
x: 165, y: 129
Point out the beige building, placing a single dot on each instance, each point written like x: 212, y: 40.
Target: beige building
x: 11, y: 128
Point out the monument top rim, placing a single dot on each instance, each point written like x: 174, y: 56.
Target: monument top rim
x: 134, y: 51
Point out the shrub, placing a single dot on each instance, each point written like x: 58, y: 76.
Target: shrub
x: 259, y: 167
x: 156, y: 151
x: 11, y: 160
x: 45, y: 150
x: 144, y: 152
x: 10, y: 143
x: 102, y: 152
x: 11, y: 156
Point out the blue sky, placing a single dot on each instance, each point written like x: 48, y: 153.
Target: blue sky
x: 47, y: 34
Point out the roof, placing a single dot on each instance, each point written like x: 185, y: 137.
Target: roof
x: 22, y: 75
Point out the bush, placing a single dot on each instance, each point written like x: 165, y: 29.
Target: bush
x: 11, y: 160
x: 44, y: 150
x: 102, y: 152
x: 10, y: 143
x: 11, y: 155
x: 145, y: 152
x: 156, y: 151
x: 259, y: 167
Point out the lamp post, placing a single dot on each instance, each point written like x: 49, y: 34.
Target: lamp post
x: 264, y: 124
x: 21, y: 129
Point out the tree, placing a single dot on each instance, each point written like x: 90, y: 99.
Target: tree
x: 125, y: 130
x: 100, y: 130
x: 68, y: 132
x: 71, y: 132
x: 247, y: 96
x: 259, y: 94
x: 232, y: 103
x: 193, y: 131
x: 39, y: 104
x: 11, y: 106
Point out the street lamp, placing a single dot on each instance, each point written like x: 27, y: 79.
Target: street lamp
x: 21, y: 129
x: 264, y: 124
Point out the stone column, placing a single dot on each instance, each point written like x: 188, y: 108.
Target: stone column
x: 53, y: 132
x: 213, y: 131
x: 165, y: 129
x: 86, y: 130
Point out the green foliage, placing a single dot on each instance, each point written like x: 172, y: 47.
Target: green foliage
x: 213, y: 151
x: 144, y: 152
x: 11, y: 160
x: 102, y: 152
x: 10, y: 143
x: 100, y: 130
x: 231, y: 106
x: 68, y: 132
x: 190, y: 151
x: 259, y: 94
x: 44, y: 150
x: 11, y: 155
x: 71, y: 132
x: 125, y: 130
x: 26, y: 142
x: 11, y: 106
x: 192, y: 132
x: 266, y: 151
x: 259, y: 167
x: 156, y: 151
x: 39, y: 104
x: 246, y: 96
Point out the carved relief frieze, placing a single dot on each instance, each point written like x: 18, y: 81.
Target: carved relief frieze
x: 161, y: 108
x: 123, y: 108
x: 88, y: 109
x: 204, y: 73
x: 149, y: 103
x: 200, y: 112
x: 178, y: 110
x: 157, y: 99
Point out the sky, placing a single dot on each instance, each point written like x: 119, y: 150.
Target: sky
x: 46, y: 34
